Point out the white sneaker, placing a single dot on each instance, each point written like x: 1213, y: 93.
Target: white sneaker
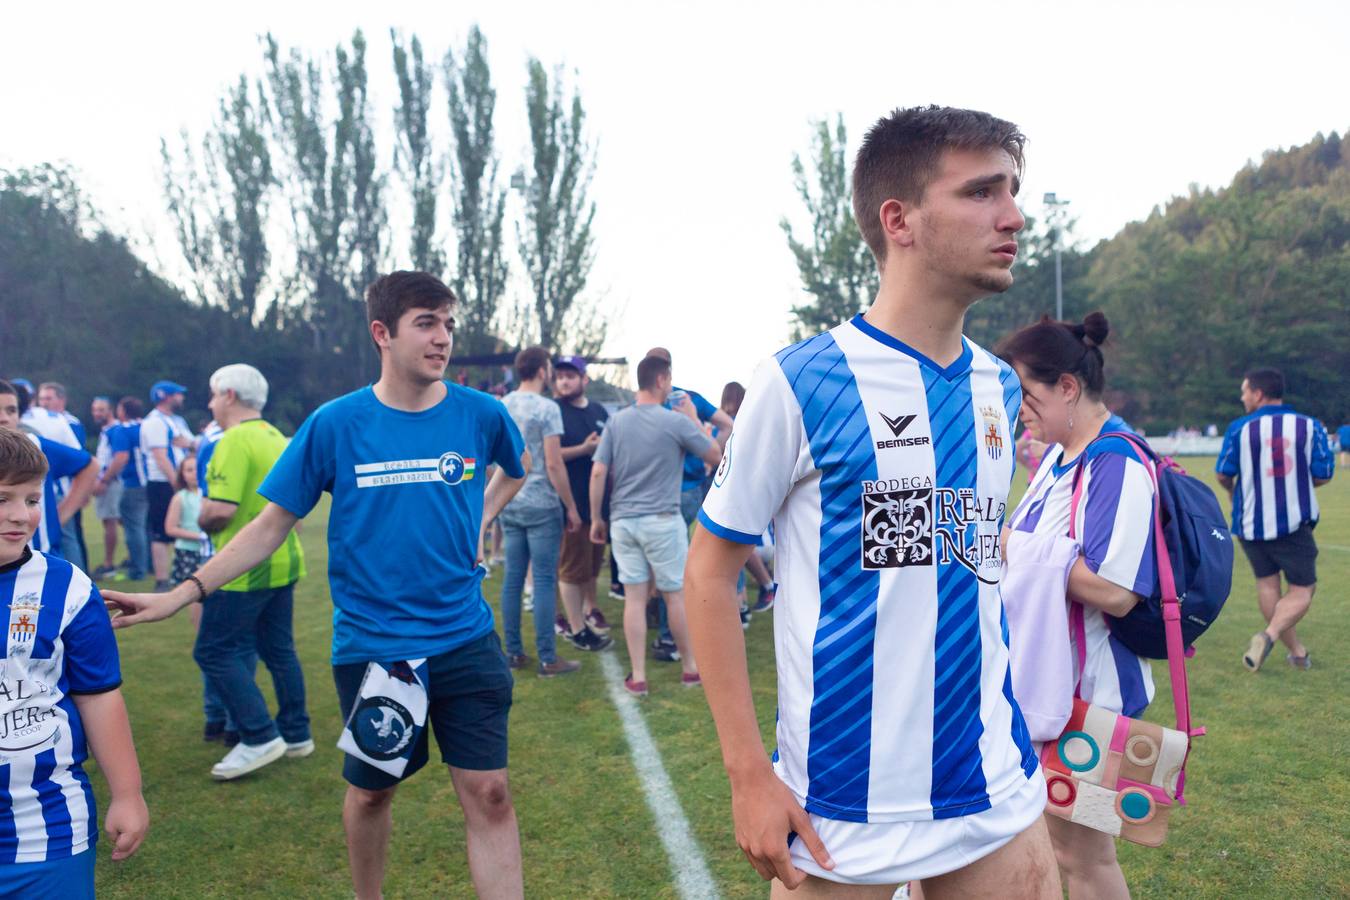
x: 245, y: 758
x: 299, y: 749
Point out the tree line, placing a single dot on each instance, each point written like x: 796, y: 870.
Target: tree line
x: 1207, y: 287
x: 283, y: 208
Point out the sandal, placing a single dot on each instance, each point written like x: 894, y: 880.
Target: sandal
x: 1257, y: 651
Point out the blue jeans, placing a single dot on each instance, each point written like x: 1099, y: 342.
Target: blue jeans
x: 531, y: 536
x: 236, y: 624
x: 213, y: 707
x: 133, y: 509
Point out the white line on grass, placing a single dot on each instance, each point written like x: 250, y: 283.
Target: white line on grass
x: 692, y: 878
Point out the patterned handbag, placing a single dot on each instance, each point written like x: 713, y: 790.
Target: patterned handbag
x: 1109, y: 772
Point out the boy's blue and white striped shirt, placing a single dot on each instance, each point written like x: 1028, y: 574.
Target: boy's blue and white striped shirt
x: 58, y: 643
x: 1275, y: 453
x: 886, y: 479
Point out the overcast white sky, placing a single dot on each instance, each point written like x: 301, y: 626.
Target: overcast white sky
x: 698, y: 108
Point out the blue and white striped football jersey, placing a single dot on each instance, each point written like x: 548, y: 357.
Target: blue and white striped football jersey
x: 1114, y: 524
x: 62, y: 463
x: 59, y: 642
x: 886, y: 479
x: 1275, y: 453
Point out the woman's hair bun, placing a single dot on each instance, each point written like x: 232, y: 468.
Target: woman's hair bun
x: 1095, y: 329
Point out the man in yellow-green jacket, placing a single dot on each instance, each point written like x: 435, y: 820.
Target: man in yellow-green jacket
x: 254, y: 611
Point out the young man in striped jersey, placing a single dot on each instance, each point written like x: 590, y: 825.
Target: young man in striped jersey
x: 1271, y: 460
x: 403, y: 460
x: 59, y: 699
x: 882, y: 451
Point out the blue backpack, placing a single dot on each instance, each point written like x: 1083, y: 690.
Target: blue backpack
x: 1197, y: 551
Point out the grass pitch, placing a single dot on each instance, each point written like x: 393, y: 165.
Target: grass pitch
x: 1267, y: 787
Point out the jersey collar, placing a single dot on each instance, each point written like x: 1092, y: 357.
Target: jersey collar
x: 959, y: 367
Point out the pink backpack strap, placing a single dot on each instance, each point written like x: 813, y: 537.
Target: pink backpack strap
x: 1176, y: 650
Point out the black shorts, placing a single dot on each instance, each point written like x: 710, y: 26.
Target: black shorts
x: 469, y: 697
x: 1295, y: 555
x: 158, y: 496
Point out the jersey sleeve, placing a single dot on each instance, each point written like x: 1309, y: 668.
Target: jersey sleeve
x: 227, y: 471
x: 91, y: 661
x: 305, y: 469
x: 1323, y: 462
x: 507, y: 444
x: 1227, y: 463
x: 63, y: 461
x: 1116, y: 522
x: 761, y: 462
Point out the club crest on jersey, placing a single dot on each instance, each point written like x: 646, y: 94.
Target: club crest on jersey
x: 23, y: 623
x: 993, y: 436
x: 455, y: 469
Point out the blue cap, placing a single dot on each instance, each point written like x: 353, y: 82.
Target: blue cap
x: 23, y: 383
x: 572, y: 362
x: 163, y: 389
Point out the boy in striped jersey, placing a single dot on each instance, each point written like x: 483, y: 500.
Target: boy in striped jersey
x: 882, y: 452
x: 1271, y: 460
x: 59, y: 699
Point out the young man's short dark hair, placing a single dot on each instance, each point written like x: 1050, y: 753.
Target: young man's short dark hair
x: 530, y: 362
x: 1269, y: 382
x: 900, y: 155
x: 131, y: 407
x: 650, y: 370
x: 390, y: 296
x: 20, y: 394
x: 21, y: 461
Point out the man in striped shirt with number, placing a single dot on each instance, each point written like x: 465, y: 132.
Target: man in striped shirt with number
x: 1271, y: 461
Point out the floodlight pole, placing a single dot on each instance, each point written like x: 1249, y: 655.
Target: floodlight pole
x: 1056, y: 216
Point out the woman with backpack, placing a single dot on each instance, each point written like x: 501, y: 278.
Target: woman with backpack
x: 1112, y: 568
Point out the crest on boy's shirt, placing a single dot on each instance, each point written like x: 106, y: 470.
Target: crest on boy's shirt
x: 993, y: 435
x: 23, y: 621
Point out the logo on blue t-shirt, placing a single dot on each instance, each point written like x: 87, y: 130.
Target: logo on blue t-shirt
x: 454, y: 468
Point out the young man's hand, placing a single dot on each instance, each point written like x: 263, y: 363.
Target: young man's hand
x: 133, y: 609
x: 598, y: 531
x: 126, y: 824
x: 765, y: 812
x: 573, y: 520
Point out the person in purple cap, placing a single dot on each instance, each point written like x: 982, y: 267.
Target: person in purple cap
x: 581, y: 560
x: 165, y: 438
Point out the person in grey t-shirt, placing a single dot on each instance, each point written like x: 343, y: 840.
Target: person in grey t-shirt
x: 532, y: 523
x: 643, y: 447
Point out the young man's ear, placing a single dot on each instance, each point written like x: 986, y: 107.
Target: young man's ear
x: 895, y: 222
x: 379, y: 333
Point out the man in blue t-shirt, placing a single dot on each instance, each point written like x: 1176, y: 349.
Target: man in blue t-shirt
x: 404, y: 462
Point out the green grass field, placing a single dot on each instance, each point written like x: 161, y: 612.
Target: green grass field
x: 1267, y: 787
